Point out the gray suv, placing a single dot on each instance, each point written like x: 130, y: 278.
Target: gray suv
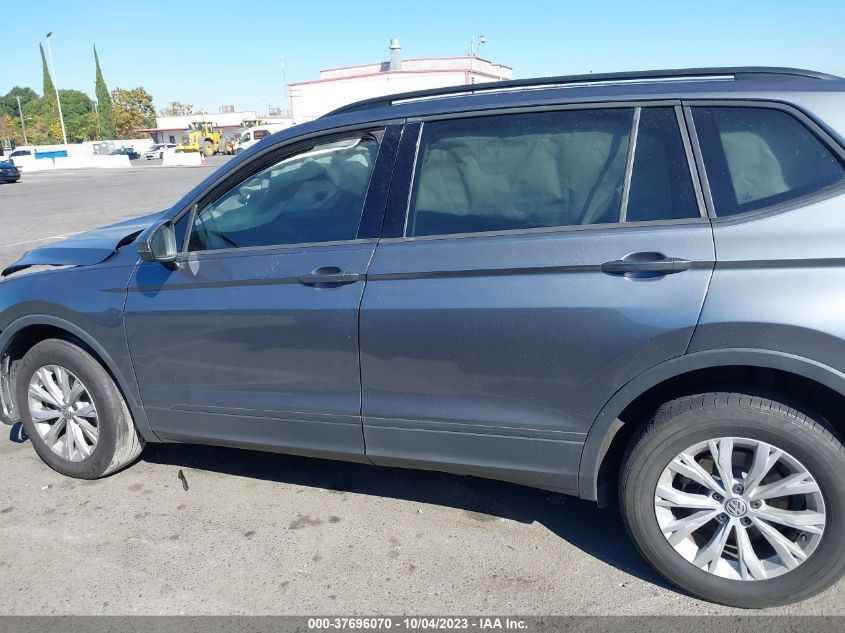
x: 622, y: 287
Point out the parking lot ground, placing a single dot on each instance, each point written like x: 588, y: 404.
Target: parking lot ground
x: 259, y: 533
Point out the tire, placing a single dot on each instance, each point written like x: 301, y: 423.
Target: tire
x: 117, y: 443
x: 208, y: 148
x: 688, y: 424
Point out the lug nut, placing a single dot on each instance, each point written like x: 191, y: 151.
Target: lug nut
x: 756, y: 504
x: 745, y: 521
x: 717, y: 496
x: 738, y: 489
x: 721, y: 518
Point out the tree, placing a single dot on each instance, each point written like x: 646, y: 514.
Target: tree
x: 9, y: 102
x: 39, y: 114
x: 50, y: 110
x: 77, y: 109
x: 49, y: 88
x: 10, y: 128
x: 178, y: 109
x: 107, y: 128
x: 133, y: 110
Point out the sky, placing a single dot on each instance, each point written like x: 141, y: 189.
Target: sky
x: 217, y: 52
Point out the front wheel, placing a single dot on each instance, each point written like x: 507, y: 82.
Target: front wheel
x: 73, y: 412
x: 208, y: 148
x: 737, y: 499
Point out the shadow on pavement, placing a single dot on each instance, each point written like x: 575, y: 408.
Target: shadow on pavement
x: 598, y: 532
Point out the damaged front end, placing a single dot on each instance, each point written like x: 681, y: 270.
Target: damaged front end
x: 84, y: 249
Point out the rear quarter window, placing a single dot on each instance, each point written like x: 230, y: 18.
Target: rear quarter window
x: 760, y: 157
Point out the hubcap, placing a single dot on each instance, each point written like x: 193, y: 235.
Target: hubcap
x: 740, y: 509
x: 63, y: 413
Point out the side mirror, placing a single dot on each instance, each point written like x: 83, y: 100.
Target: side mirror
x: 158, y: 243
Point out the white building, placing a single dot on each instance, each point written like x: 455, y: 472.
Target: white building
x: 337, y: 87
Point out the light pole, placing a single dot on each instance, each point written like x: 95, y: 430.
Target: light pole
x: 23, y: 125
x: 475, y: 43
x: 56, y: 86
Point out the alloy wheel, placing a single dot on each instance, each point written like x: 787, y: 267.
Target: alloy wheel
x: 63, y: 413
x: 740, y: 508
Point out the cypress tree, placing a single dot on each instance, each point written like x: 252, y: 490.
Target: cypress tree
x: 49, y: 89
x: 53, y: 128
x: 104, y: 105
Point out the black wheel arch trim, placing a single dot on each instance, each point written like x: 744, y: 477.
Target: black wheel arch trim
x: 127, y: 385
x: 607, y: 424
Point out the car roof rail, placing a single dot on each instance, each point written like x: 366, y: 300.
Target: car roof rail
x: 735, y: 73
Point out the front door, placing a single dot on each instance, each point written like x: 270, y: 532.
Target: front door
x: 252, y: 339
x: 546, y: 259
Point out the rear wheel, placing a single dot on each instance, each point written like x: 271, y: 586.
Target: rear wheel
x: 73, y: 412
x: 738, y: 499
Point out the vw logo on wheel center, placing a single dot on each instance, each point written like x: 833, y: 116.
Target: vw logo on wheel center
x: 736, y: 507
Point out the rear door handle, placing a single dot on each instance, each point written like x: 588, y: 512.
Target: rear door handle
x: 328, y: 275
x: 645, y: 265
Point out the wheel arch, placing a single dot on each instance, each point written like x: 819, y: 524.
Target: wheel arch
x: 608, y: 426
x: 34, y: 328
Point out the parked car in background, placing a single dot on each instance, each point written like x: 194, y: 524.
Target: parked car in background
x: 125, y: 151
x: 9, y: 172
x: 624, y: 287
x: 157, y: 150
x: 20, y: 152
x: 251, y: 136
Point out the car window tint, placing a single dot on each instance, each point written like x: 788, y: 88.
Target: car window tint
x: 313, y: 196
x: 757, y: 157
x: 661, y: 184
x: 520, y: 171
x: 260, y: 134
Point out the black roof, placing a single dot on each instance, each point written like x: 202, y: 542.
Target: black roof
x: 738, y: 74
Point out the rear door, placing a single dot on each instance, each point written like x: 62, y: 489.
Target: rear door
x: 538, y: 261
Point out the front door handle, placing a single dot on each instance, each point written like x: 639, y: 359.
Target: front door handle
x: 645, y: 265
x: 328, y: 276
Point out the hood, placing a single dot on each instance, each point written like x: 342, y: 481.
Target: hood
x: 85, y: 249
x: 4, y: 164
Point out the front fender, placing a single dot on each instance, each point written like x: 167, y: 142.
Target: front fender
x: 607, y: 423
x: 125, y: 383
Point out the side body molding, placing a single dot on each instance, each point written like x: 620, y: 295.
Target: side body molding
x: 126, y: 383
x: 607, y: 424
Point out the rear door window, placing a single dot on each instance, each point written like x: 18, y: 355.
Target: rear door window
x: 759, y: 157
x: 520, y: 171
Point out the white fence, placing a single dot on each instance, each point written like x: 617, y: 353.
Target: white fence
x: 30, y: 163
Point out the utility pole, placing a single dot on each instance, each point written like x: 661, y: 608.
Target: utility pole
x: 23, y: 125
x: 56, y: 86
x: 475, y: 43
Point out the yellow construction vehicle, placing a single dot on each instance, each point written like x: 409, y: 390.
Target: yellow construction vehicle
x: 201, y: 137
